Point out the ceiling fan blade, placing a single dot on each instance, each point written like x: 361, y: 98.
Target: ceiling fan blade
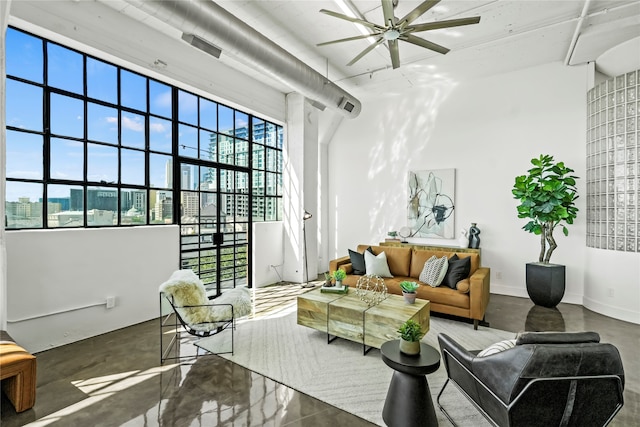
x: 424, y: 43
x: 350, y: 19
x: 418, y: 12
x: 367, y: 50
x: 395, y: 53
x: 443, y: 24
x: 387, y: 11
x: 346, y: 40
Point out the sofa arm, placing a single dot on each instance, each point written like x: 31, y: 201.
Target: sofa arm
x: 343, y: 263
x: 479, y: 293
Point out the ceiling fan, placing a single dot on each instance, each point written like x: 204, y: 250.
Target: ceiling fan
x: 395, y: 29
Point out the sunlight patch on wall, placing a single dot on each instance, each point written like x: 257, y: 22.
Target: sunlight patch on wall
x: 407, y: 121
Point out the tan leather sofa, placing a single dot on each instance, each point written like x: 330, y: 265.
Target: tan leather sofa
x: 469, y: 300
x: 18, y: 373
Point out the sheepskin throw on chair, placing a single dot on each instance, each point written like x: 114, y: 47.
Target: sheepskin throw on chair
x: 190, y: 298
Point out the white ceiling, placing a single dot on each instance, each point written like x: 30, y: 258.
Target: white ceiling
x: 511, y: 35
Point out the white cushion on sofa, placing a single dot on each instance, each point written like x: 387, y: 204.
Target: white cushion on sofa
x: 376, y: 264
x: 434, y: 271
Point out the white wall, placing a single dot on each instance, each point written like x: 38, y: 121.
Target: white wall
x: 612, y: 284
x: 488, y: 130
x: 268, y: 252
x: 56, y: 270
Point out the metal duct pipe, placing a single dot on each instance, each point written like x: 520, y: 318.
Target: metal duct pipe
x: 210, y: 21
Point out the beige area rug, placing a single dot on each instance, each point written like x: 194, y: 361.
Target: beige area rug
x: 338, y: 373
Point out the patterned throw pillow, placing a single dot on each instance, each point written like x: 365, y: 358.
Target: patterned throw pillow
x: 497, y: 348
x: 434, y: 271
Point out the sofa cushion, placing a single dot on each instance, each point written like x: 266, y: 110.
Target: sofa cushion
x: 398, y: 259
x: 376, y: 265
x: 357, y: 261
x: 475, y: 260
x: 443, y: 296
x: 459, y: 269
x: 434, y: 271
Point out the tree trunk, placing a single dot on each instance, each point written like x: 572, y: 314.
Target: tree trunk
x: 552, y: 242
x: 543, y: 242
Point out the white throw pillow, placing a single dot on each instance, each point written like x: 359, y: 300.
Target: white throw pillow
x: 434, y: 271
x: 497, y: 348
x: 376, y: 265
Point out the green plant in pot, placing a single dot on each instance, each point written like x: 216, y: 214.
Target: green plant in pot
x: 327, y: 280
x: 547, y: 195
x: 339, y: 276
x: 409, y: 290
x: 410, y: 336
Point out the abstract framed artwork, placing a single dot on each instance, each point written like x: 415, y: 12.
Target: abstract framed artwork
x: 431, y: 203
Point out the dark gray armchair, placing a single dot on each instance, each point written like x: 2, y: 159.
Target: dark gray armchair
x: 547, y: 379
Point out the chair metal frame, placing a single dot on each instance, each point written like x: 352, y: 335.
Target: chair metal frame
x: 520, y: 395
x: 180, y: 324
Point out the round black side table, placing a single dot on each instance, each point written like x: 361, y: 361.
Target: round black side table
x: 408, y: 401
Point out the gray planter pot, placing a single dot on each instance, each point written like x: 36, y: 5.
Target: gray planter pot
x: 545, y: 283
x: 409, y: 297
x: 410, y: 348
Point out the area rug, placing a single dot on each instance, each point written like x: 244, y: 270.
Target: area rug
x: 338, y: 373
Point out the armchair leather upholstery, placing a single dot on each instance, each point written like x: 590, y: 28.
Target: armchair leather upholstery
x: 547, y: 379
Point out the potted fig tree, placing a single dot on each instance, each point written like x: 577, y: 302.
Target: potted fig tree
x: 410, y: 336
x: 547, y: 195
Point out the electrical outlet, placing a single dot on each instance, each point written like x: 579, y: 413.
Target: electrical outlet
x: 498, y: 275
x: 111, y: 302
x: 610, y: 292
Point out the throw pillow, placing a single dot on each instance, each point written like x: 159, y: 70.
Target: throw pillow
x: 463, y: 286
x: 459, y: 269
x: 434, y: 271
x: 376, y: 265
x: 357, y: 262
x: 497, y: 348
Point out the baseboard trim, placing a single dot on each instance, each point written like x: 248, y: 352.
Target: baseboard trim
x: 612, y: 311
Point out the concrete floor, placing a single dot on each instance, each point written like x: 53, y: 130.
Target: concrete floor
x: 116, y: 379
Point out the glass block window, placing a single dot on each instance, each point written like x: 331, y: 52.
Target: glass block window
x: 613, y: 169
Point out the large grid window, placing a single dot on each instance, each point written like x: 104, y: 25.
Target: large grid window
x: 98, y: 142
x: 267, y: 140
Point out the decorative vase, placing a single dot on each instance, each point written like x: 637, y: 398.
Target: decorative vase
x: 339, y: 283
x: 409, y: 297
x: 463, y: 240
x: 474, y: 238
x: 410, y: 348
x: 545, y: 283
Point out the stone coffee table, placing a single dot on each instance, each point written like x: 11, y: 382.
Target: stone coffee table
x: 347, y: 317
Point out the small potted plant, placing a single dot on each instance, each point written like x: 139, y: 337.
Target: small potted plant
x: 409, y: 291
x: 410, y: 336
x: 339, y: 276
x: 327, y: 280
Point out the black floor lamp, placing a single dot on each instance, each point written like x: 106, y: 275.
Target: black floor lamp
x: 306, y: 216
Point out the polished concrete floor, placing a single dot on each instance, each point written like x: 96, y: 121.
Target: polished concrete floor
x: 116, y: 379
